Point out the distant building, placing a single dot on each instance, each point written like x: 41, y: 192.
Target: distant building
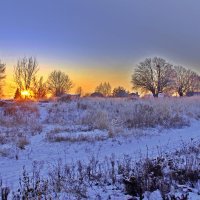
x: 96, y: 94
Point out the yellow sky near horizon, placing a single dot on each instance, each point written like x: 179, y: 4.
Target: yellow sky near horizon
x: 86, y: 77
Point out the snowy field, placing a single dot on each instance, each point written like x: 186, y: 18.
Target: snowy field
x: 101, y: 149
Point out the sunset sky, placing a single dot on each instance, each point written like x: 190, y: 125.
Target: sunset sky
x: 98, y: 40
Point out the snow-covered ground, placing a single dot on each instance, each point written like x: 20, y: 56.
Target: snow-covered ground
x: 77, y: 142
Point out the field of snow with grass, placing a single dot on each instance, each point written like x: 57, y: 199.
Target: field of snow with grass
x: 101, y: 149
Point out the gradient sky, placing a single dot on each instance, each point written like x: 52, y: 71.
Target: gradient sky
x: 99, y: 40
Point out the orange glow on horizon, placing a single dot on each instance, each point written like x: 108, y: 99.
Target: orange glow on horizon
x: 82, y: 76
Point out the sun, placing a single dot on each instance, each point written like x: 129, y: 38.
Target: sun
x: 25, y: 93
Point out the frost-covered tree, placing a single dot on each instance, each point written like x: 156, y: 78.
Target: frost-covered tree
x: 59, y: 83
x: 153, y: 75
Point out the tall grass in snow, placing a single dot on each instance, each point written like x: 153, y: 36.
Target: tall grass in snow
x: 108, y: 113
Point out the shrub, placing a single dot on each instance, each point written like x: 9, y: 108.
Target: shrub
x: 22, y: 142
x: 139, y: 116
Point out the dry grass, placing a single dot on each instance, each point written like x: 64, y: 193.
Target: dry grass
x: 53, y: 137
x: 104, y: 114
x: 7, y: 152
x: 18, y: 121
x: 96, y: 119
x: 177, y: 172
x: 15, y: 114
x: 113, y: 116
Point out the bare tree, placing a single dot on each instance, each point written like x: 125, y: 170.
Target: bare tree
x: 195, y: 82
x: 2, y: 76
x: 185, y: 80
x: 154, y: 75
x: 59, y: 83
x: 104, y: 88
x: 25, y: 72
x: 39, y: 88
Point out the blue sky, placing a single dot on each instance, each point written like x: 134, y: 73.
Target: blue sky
x: 103, y: 35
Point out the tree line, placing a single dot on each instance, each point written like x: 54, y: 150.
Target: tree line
x: 153, y: 75
x: 105, y: 89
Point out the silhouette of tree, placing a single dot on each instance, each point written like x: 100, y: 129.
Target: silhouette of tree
x: 79, y: 91
x: 185, y: 80
x: 39, y: 89
x: 120, y: 92
x: 2, y: 76
x: 154, y: 75
x: 104, y: 88
x: 59, y: 83
x: 25, y: 72
x: 17, y: 95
